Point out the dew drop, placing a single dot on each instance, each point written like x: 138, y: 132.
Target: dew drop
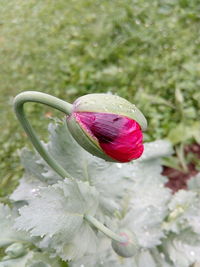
x: 133, y: 110
x: 147, y: 233
x: 119, y: 165
x: 82, y: 265
x: 162, y: 255
x: 35, y: 191
x: 192, y: 253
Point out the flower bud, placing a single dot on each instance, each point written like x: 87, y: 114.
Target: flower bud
x: 15, y: 250
x: 127, y: 249
x: 108, y: 126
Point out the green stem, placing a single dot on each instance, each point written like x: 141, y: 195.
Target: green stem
x: 38, y: 97
x: 104, y: 229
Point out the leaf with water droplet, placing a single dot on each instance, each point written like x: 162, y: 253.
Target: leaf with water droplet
x: 183, y: 249
x: 57, y: 214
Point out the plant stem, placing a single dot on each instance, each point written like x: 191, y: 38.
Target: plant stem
x: 38, y: 97
x: 42, y: 98
x: 104, y: 229
x: 181, y: 157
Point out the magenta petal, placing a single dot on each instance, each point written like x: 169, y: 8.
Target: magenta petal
x: 118, y: 136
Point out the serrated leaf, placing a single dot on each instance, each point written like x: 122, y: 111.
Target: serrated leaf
x: 147, y: 209
x: 111, y: 180
x: 145, y: 259
x: 19, y: 262
x: 148, y: 202
x: 183, y: 249
x: 32, y: 259
x: 28, y: 188
x: 108, y: 178
x: 160, y: 258
x: 37, y: 167
x: 156, y: 149
x: 194, y: 183
x: 103, y: 257
x: 8, y: 233
x: 56, y: 214
x: 184, y: 212
x: 106, y: 257
x: 43, y: 259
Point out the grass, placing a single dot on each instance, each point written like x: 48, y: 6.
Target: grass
x: 145, y: 51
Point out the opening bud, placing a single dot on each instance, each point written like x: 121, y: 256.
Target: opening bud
x: 108, y: 126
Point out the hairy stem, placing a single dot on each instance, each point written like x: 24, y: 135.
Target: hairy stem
x: 54, y: 102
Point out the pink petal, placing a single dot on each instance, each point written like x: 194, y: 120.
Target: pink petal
x: 119, y: 137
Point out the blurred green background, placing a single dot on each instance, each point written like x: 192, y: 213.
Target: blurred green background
x: 146, y: 51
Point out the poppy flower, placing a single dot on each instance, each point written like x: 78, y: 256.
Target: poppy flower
x: 108, y: 126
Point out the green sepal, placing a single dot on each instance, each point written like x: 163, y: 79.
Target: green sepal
x: 84, y: 139
x: 111, y: 104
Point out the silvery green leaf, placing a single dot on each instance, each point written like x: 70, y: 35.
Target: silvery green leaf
x: 160, y: 258
x: 56, y: 215
x: 16, y: 250
x: 8, y: 233
x: 103, y: 257
x: 183, y: 249
x: 37, y: 167
x: 156, y: 149
x: 28, y: 188
x: 18, y: 262
x: 145, y: 259
x: 194, y: 182
x: 147, y: 209
x: 106, y: 257
x: 28, y: 160
x: 184, y: 212
x: 32, y: 259
x: 42, y: 259
x: 110, y: 179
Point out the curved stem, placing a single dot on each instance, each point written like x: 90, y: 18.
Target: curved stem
x: 38, y: 97
x: 105, y: 230
x: 31, y: 96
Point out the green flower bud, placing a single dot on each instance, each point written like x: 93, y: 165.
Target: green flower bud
x: 129, y: 248
x: 15, y: 250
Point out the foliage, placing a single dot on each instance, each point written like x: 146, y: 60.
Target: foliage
x: 50, y: 212
x: 145, y: 51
